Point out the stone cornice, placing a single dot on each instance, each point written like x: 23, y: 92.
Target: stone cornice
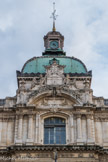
x: 101, y: 109
x: 76, y: 148
x: 87, y: 107
x: 7, y: 109
x: 101, y: 116
x: 31, y: 75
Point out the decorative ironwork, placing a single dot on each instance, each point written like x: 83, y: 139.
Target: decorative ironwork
x: 54, y: 16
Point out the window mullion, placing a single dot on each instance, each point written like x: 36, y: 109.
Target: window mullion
x: 49, y: 134
x: 54, y: 135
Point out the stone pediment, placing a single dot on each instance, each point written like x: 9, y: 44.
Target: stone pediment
x: 49, y: 96
x: 53, y: 103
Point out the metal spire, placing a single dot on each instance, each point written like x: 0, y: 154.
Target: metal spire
x: 54, y: 16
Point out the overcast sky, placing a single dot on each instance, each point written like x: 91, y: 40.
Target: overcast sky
x: 23, y: 23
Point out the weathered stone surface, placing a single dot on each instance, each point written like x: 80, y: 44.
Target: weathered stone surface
x: 54, y: 94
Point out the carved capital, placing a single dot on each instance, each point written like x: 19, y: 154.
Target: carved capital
x: 30, y: 116
x: 89, y: 116
x: 78, y: 116
x: 20, y: 116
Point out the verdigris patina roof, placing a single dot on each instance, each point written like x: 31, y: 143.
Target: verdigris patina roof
x: 36, y: 64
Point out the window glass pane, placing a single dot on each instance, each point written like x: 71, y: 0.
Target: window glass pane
x: 51, y: 120
x: 63, y: 135
x: 56, y: 120
x: 51, y: 135
x: 54, y: 131
x: 46, y: 135
x: 63, y: 121
x: 58, y: 135
x: 47, y: 121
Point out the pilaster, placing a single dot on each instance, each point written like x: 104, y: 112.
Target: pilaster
x: 84, y: 129
x: 9, y: 132
x: 71, y: 129
x: 79, y: 129
x: 30, y: 130
x: 89, y: 130
x: 37, y: 129
x: 20, y: 129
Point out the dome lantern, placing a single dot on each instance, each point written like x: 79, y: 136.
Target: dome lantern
x: 54, y: 43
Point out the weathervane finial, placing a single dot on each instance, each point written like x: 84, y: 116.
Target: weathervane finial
x: 54, y: 16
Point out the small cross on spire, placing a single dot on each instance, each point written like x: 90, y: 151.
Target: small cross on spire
x: 54, y: 16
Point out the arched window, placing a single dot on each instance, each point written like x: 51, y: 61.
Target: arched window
x: 54, y: 131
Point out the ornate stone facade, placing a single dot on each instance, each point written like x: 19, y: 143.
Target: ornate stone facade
x: 55, y: 93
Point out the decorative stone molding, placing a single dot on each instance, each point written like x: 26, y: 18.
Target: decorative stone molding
x: 101, y: 117
x: 60, y: 148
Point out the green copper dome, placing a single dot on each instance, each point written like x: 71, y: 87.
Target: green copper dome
x: 36, y: 64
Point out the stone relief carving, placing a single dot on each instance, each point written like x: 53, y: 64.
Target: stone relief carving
x: 34, y: 83
x: 86, y: 84
x: 57, y: 91
x: 22, y: 98
x: 53, y: 103
x: 22, y: 94
x: 54, y: 74
x: 54, y: 110
x: 22, y: 85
